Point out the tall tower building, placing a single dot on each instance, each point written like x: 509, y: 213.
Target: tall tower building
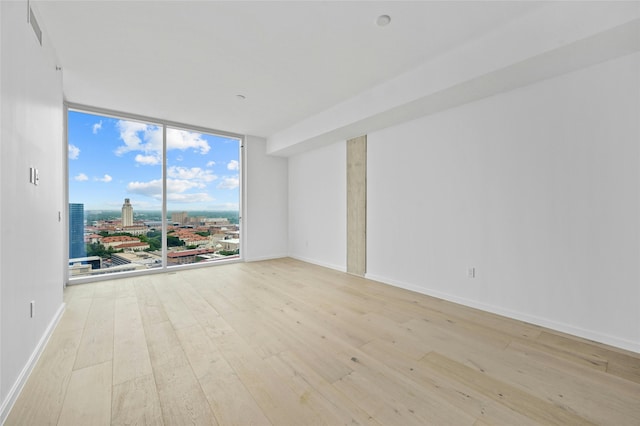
x: 77, y: 247
x: 127, y: 213
x: 179, y: 217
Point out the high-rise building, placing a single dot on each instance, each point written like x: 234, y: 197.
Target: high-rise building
x: 77, y: 247
x: 179, y: 217
x: 127, y: 213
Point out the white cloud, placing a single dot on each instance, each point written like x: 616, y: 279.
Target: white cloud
x: 150, y: 189
x: 177, y: 186
x: 229, y: 182
x: 97, y: 127
x: 211, y: 163
x: 195, y: 174
x: 81, y: 177
x: 129, y: 133
x: 181, y: 139
x: 189, y: 198
x: 106, y: 178
x: 74, y: 152
x: 153, y: 188
x: 233, y: 165
x: 147, y: 138
x: 148, y: 160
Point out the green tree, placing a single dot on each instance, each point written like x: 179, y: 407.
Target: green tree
x: 154, y: 239
x: 122, y: 234
x: 174, y: 241
x: 97, y: 249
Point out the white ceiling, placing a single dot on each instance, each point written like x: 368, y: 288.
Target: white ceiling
x: 186, y: 61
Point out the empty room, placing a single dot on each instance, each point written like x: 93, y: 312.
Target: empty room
x: 319, y: 212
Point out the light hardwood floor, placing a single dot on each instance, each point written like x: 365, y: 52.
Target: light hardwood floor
x: 287, y: 343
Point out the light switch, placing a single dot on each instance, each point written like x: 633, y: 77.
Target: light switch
x: 34, y: 175
x: 471, y: 272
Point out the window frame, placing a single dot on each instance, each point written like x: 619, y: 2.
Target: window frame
x: 164, y: 124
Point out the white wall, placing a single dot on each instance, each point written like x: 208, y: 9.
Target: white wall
x: 31, y: 243
x: 537, y: 188
x: 265, y: 221
x: 318, y: 206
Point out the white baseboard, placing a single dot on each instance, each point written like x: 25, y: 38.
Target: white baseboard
x: 262, y: 258
x: 15, y: 390
x: 315, y: 262
x: 520, y: 316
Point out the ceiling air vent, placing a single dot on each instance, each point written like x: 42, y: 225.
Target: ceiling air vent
x: 35, y: 26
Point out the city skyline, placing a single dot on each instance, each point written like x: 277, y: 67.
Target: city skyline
x: 111, y: 159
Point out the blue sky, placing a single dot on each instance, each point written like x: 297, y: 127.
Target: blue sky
x: 112, y: 159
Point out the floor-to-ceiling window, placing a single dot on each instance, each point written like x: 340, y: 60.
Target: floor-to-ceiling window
x: 144, y: 194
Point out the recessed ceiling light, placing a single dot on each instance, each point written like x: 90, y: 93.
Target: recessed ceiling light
x: 241, y: 97
x: 383, y: 20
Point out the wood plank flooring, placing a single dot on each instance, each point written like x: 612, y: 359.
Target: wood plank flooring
x: 283, y: 342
